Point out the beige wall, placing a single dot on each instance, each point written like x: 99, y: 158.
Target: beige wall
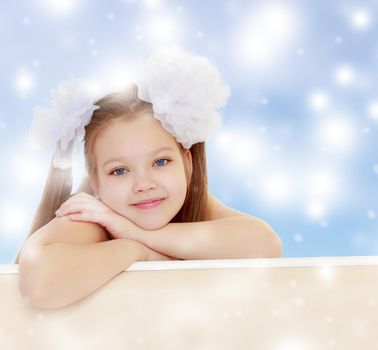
x: 267, y: 304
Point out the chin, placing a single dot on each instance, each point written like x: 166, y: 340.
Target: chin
x: 150, y: 226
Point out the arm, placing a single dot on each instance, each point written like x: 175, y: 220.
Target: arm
x: 66, y: 261
x: 237, y: 237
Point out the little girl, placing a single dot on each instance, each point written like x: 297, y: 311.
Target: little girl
x: 145, y: 196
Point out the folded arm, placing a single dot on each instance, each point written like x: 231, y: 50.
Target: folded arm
x: 238, y: 237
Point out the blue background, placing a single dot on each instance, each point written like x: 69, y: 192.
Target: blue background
x: 298, y: 146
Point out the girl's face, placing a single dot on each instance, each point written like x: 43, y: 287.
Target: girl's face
x: 142, y: 171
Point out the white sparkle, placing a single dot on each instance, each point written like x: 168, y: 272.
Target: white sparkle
x: 319, y: 100
x: 294, y: 343
x: 322, y: 183
x: 315, y: 209
x: 344, y: 75
x: 276, y: 187
x: 327, y: 273
x: 14, y: 216
x: 361, y: 19
x: 152, y: 4
x: 24, y: 82
x: 162, y: 30
x: 266, y: 34
x: 373, y: 110
x: 35, y: 170
x: 61, y: 7
x: 337, y: 134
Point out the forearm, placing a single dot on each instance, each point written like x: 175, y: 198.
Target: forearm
x: 229, y: 238
x: 65, y: 272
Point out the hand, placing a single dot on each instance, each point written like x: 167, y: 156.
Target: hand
x: 84, y: 207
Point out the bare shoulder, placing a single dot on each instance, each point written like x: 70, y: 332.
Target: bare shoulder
x: 62, y: 229
x: 218, y: 210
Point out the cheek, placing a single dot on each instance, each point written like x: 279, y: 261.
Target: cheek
x: 176, y: 180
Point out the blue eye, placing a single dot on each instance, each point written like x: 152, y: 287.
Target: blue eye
x: 117, y: 172
x: 163, y: 160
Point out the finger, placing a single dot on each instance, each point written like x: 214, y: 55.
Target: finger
x: 76, y: 202
x: 76, y: 208
x: 88, y: 217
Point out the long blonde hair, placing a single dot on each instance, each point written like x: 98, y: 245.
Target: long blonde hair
x: 125, y: 105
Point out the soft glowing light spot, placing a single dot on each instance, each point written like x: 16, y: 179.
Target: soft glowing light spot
x: 361, y: 19
x: 276, y: 188
x: 319, y: 100
x: 162, y: 30
x: 373, y: 110
x: 315, y: 209
x: 375, y: 169
x: 344, y: 75
x: 62, y: 7
x: 13, y: 216
x: 298, y: 238
x: 323, y: 184
x: 244, y: 151
x: 223, y: 139
x: 327, y: 273
x: 152, y: 4
x: 27, y: 170
x: 266, y: 34
x: 24, y: 82
x: 371, y: 214
x: 294, y: 344
x: 117, y: 75
x: 337, y: 134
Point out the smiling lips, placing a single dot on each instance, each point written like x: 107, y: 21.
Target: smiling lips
x: 149, y: 204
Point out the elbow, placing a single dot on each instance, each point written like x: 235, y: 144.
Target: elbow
x: 31, y: 283
x: 35, y: 294
x: 274, y: 243
x: 275, y: 250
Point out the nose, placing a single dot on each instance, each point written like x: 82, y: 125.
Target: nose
x: 144, y: 183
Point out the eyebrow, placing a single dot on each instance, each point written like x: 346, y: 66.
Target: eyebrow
x: 151, y: 153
